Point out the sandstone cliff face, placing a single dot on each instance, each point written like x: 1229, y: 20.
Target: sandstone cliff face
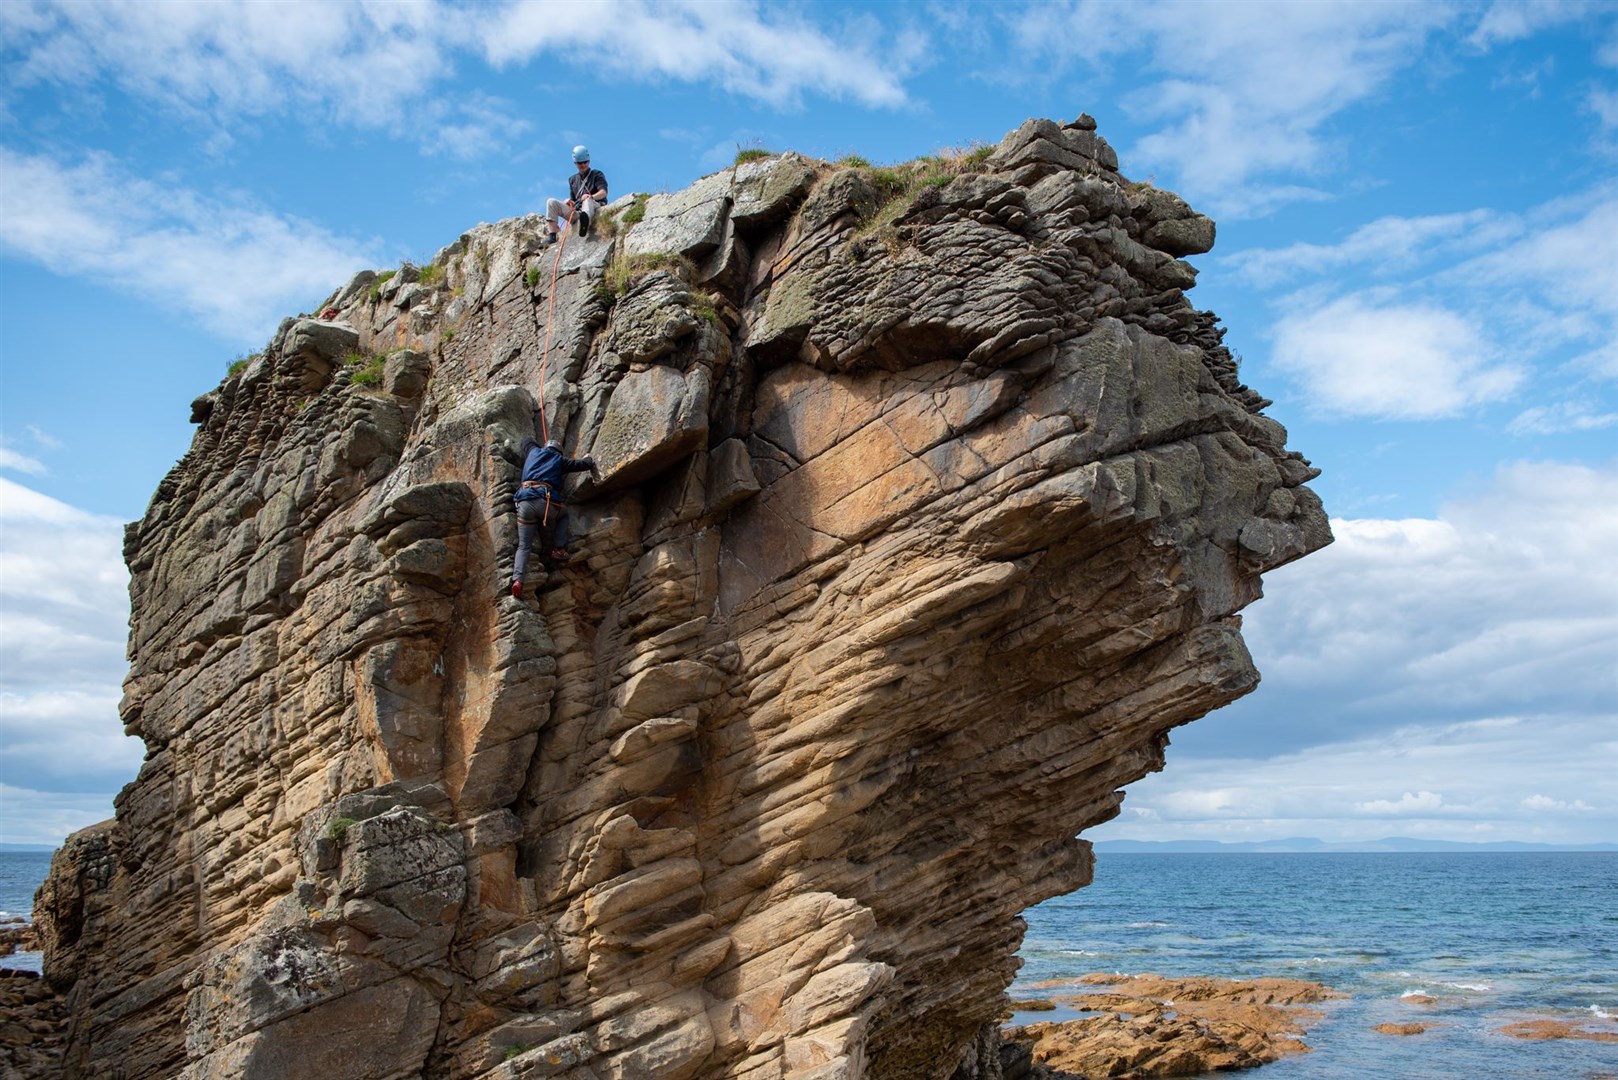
x: 920, y: 521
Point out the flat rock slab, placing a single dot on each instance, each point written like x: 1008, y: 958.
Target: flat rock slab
x: 1154, y: 1026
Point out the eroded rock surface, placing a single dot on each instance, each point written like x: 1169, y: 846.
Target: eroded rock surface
x: 1150, y: 1026
x: 920, y: 525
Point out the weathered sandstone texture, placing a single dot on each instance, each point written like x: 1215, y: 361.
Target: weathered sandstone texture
x: 33, y: 1023
x: 1148, y: 1025
x: 921, y: 519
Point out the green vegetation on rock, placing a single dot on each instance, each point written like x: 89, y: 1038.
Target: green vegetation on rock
x: 364, y: 370
x: 626, y: 270
x: 636, y: 211
x: 381, y: 280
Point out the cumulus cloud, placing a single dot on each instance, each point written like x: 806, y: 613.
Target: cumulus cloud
x: 1368, y: 355
x: 1544, y: 281
x: 1242, y: 91
x: 1411, y: 802
x: 1545, y: 802
x: 1430, y: 677
x: 92, y: 218
x: 1507, y: 600
x: 65, y: 594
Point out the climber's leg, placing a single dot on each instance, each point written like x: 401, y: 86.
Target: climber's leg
x: 528, y: 528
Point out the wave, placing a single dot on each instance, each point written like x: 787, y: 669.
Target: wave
x: 1480, y: 988
x: 1080, y: 952
x: 1145, y: 925
x: 1603, y: 1013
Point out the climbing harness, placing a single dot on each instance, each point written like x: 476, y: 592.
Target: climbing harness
x: 545, y: 516
x: 545, y: 357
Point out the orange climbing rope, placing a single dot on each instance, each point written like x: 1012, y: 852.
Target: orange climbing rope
x: 550, y: 309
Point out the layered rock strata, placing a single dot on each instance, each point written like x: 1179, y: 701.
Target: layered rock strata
x: 926, y: 507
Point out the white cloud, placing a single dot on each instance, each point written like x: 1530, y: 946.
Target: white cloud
x: 1508, y: 600
x: 43, y: 438
x: 771, y: 55
x: 64, y: 593
x: 1513, y: 20
x: 1492, y: 774
x: 1440, y: 675
x: 1567, y: 261
x: 380, y: 65
x: 365, y: 64
x: 1388, y: 243
x: 1242, y: 90
x: 234, y: 264
x: 1411, y: 802
x: 1563, y: 417
x: 1367, y: 355
x: 1545, y: 802
x: 28, y: 816
x: 17, y: 462
x: 1544, y: 280
x: 1604, y: 103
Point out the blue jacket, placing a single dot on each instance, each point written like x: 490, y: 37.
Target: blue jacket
x: 548, y: 466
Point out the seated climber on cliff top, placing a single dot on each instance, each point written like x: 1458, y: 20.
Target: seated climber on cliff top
x: 541, y: 508
x: 588, y: 188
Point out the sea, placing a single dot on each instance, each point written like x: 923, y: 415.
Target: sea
x: 1494, y: 937
x: 20, y: 874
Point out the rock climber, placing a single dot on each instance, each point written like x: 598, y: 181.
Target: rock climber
x: 541, y: 508
x: 588, y: 188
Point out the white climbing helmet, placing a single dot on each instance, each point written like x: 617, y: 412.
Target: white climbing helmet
x: 581, y: 154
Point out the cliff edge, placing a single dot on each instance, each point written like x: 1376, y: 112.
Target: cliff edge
x: 926, y: 507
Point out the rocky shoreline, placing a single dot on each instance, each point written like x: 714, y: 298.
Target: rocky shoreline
x: 33, y: 1027
x: 17, y: 935
x: 1148, y: 1025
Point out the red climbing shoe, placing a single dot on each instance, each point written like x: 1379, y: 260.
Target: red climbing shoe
x: 558, y: 556
x: 516, y: 588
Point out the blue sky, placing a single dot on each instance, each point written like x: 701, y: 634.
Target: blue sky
x: 1417, y: 258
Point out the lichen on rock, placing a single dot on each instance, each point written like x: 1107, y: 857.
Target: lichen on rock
x: 920, y: 523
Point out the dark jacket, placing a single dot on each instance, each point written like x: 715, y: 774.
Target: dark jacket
x: 547, y: 466
x: 582, y: 183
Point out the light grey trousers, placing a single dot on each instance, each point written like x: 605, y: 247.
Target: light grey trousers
x: 556, y: 208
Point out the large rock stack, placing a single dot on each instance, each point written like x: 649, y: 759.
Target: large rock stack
x: 925, y: 510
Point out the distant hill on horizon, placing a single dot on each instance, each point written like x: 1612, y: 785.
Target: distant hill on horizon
x: 1306, y: 844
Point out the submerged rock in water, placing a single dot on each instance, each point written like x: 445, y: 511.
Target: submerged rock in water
x: 928, y: 506
x: 1148, y: 1025
x: 1591, y: 1030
